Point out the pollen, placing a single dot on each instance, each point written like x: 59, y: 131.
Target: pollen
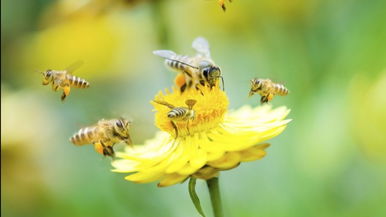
x: 210, y: 108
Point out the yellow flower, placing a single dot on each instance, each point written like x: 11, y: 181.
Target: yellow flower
x: 214, y: 140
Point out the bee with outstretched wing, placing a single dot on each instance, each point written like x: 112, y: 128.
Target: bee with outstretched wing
x: 63, y: 79
x: 193, y: 71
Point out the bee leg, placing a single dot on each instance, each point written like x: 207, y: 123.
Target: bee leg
x: 175, y: 128
x: 270, y: 97
x: 63, y: 96
x: 263, y: 99
x: 66, y: 92
x: 55, y: 87
x: 190, y: 84
x: 202, y: 82
x: 182, y: 88
x: 45, y: 82
x: 187, y: 127
x: 107, y: 150
x: 198, y: 88
x: 222, y: 4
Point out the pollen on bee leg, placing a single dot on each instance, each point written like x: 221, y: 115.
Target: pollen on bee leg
x: 98, y: 147
x: 270, y: 97
x: 180, y: 80
x: 66, y: 90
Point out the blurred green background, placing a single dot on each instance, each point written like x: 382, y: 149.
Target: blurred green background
x: 331, y: 160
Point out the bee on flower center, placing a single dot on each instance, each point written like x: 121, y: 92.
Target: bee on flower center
x: 267, y: 89
x: 104, y: 135
x: 63, y: 79
x: 177, y: 114
x: 197, y: 70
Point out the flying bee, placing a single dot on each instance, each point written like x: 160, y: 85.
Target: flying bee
x: 62, y: 79
x: 197, y: 70
x: 267, y: 89
x: 222, y: 4
x: 177, y: 114
x: 104, y: 135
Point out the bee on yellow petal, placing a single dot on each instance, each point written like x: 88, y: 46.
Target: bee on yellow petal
x: 267, y: 89
x: 177, y: 114
x: 222, y: 4
x: 193, y: 70
x: 104, y: 135
x: 63, y: 79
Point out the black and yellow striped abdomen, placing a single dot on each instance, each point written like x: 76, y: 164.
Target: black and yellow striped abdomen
x: 280, y: 90
x: 177, y: 63
x: 84, y: 136
x: 77, y: 82
x: 177, y: 113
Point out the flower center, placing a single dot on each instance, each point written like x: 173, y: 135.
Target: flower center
x: 190, y: 112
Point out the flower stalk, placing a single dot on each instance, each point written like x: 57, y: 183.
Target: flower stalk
x: 194, y: 197
x: 215, y: 197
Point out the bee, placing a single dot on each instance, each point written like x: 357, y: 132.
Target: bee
x: 193, y: 71
x: 222, y: 4
x: 104, y: 135
x: 62, y: 79
x: 177, y: 114
x: 267, y: 89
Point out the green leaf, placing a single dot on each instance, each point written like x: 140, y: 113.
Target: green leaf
x: 194, y: 197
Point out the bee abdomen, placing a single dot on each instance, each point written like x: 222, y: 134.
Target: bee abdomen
x: 83, y: 136
x: 176, y: 113
x: 177, y: 62
x: 281, y: 90
x: 78, y: 82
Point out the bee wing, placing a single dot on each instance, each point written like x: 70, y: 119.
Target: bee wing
x: 201, y: 45
x: 167, y: 54
x: 74, y: 66
x: 171, y: 55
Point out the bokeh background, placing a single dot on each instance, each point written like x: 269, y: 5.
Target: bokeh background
x: 331, y: 160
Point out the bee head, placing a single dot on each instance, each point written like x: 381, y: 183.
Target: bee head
x: 211, y: 73
x: 121, y: 127
x: 256, y: 85
x: 47, y: 74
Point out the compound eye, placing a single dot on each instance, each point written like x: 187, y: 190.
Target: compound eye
x: 48, y: 72
x: 206, y: 72
x: 119, y: 124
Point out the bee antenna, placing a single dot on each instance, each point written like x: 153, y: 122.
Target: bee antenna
x: 222, y: 81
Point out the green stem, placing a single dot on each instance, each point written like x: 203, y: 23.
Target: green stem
x: 214, y: 191
x: 194, y: 197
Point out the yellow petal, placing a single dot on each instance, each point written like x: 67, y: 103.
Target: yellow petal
x: 254, y: 153
x: 171, y: 179
x: 206, y: 173
x: 228, y: 161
